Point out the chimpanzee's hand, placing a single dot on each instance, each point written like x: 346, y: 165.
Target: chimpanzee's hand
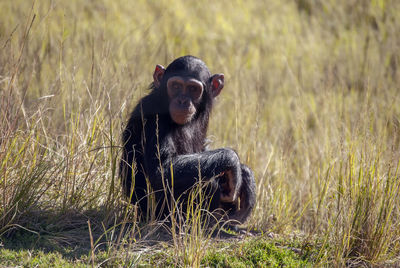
x: 246, y: 197
x: 229, y: 184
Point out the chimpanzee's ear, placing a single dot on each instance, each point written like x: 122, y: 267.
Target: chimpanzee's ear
x: 158, y: 75
x: 217, y: 83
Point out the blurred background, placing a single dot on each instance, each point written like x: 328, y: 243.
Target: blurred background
x: 311, y: 103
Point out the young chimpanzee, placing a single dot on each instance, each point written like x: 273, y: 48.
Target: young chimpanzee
x: 167, y: 132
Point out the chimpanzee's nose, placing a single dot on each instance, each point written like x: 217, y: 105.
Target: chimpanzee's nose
x: 183, y: 101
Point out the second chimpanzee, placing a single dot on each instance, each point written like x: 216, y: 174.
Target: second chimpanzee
x: 167, y: 132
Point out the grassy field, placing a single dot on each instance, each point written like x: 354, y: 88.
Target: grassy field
x: 311, y: 103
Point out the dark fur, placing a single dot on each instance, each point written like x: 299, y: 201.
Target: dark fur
x: 150, y: 155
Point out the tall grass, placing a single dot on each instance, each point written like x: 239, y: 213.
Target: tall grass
x: 311, y: 103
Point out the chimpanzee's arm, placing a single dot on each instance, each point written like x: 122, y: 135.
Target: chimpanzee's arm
x: 130, y: 137
x: 247, y: 195
x: 186, y: 171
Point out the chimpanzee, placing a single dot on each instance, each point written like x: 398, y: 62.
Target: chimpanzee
x: 165, y: 145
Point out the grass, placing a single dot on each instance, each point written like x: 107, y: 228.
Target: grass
x: 256, y: 253
x: 311, y: 104
x: 248, y: 252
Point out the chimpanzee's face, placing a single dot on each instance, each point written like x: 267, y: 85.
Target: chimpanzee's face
x: 186, y: 81
x: 184, y: 97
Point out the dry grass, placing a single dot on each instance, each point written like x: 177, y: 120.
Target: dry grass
x: 311, y: 103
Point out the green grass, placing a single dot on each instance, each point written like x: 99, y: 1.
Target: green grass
x: 250, y: 252
x: 28, y: 258
x: 311, y: 103
x: 255, y: 253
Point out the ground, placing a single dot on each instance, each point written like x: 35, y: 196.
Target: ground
x: 311, y: 103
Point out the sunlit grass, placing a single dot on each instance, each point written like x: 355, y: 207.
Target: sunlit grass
x: 311, y: 103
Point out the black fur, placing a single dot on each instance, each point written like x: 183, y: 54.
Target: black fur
x: 153, y: 143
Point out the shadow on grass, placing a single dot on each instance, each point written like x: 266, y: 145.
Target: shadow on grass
x: 65, y: 232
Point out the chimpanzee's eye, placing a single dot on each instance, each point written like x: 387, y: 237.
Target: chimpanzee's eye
x: 175, y: 87
x: 194, y: 91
